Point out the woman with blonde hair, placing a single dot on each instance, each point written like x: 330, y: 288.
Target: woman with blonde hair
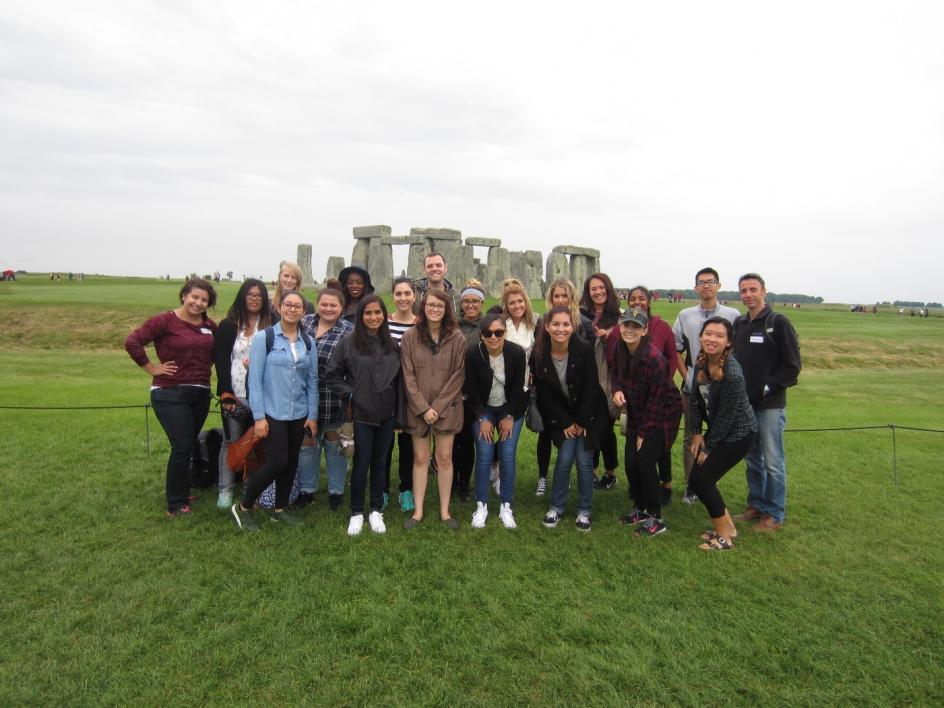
x: 289, y: 280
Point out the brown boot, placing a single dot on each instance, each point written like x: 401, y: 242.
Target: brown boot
x: 767, y: 525
x: 749, y: 514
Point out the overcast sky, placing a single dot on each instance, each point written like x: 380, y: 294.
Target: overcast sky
x: 804, y: 140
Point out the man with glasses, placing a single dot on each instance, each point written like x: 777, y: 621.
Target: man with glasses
x: 687, y: 329
x: 766, y: 347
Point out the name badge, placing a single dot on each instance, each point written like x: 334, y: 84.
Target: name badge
x: 204, y: 330
x: 757, y: 339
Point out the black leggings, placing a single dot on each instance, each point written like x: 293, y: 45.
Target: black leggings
x: 463, y: 455
x: 281, y: 447
x: 608, y: 448
x: 704, y: 477
x: 544, y: 453
x: 641, y: 474
x: 665, y: 466
x: 404, y: 461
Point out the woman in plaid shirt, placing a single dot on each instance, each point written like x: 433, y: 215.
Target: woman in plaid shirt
x: 640, y: 380
x: 721, y: 401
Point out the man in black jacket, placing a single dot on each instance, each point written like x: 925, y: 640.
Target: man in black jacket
x: 767, y: 348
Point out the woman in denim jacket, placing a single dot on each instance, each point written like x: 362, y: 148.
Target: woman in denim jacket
x: 283, y: 396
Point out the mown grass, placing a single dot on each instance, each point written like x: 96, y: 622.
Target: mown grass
x: 105, y: 601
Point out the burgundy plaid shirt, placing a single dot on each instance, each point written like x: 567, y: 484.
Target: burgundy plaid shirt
x: 653, y: 402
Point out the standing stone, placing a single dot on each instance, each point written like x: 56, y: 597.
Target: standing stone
x: 532, y: 273
x: 578, y: 271
x: 380, y: 265
x: 361, y: 252
x: 414, y: 266
x: 593, y: 264
x: 462, y: 267
x: 481, y: 273
x: 516, y: 264
x: 335, y: 266
x: 499, y: 267
x: 304, y: 262
x: 556, y: 267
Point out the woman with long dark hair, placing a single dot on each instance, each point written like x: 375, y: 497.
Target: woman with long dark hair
x: 573, y: 409
x: 283, y: 396
x: 365, y: 368
x: 641, y: 382
x: 601, y: 304
x: 721, y: 402
x: 661, y: 339
x: 560, y: 293
x: 180, y: 385
x: 327, y: 328
x: 433, y: 359
x: 401, y: 320
x: 249, y: 313
x: 497, y: 400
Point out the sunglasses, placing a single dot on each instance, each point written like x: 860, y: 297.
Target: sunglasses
x: 493, y: 333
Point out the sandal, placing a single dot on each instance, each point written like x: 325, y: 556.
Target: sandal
x: 712, y: 535
x: 719, y: 543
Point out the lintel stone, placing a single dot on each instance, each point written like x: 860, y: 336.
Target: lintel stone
x: 377, y: 231
x: 402, y: 240
x: 577, y: 251
x: 483, y: 241
x: 437, y: 234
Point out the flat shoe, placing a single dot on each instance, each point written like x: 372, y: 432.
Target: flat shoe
x: 711, y: 535
x: 717, y: 544
x: 451, y: 523
x: 411, y: 523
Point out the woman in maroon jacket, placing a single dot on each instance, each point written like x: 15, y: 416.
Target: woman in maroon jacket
x: 180, y: 390
x: 662, y: 339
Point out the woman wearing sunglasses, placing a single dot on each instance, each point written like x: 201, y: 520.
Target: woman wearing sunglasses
x: 494, y: 383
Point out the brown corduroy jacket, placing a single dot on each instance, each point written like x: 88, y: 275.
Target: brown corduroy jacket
x: 433, y: 380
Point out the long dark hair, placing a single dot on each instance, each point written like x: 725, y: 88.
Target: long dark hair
x: 627, y: 364
x: 611, y: 308
x: 542, y: 343
x: 645, y: 291
x: 702, y: 373
x: 199, y: 284
x: 238, y: 312
x: 449, y: 322
x: 362, y: 340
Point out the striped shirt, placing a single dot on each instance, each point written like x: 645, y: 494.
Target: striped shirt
x: 398, y: 329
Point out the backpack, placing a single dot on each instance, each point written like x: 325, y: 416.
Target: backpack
x: 205, y: 461
x: 270, y: 339
x: 770, y: 321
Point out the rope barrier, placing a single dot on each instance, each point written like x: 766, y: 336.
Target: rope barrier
x: 147, y: 425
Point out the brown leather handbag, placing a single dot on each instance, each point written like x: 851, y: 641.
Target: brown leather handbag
x: 247, y: 454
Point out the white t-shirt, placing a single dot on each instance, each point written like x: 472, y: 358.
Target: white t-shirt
x: 496, y: 397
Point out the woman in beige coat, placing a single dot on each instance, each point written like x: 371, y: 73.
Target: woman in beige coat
x: 433, y: 359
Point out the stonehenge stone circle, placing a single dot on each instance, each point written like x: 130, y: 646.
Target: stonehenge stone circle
x: 373, y: 250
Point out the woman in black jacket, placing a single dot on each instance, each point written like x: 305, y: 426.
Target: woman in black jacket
x: 249, y: 313
x: 365, y: 367
x: 720, y: 399
x: 497, y: 401
x: 573, y: 408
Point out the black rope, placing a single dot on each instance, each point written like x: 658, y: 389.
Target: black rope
x: 73, y: 408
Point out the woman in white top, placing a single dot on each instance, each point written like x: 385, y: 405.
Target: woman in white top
x: 249, y: 313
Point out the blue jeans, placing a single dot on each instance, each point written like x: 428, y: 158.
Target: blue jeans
x: 571, y: 449
x: 484, y: 454
x: 309, y: 463
x: 181, y: 411
x: 766, y: 468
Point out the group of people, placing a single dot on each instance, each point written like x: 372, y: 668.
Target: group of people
x: 451, y: 386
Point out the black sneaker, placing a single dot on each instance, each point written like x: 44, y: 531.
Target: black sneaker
x: 551, y: 519
x: 634, y: 517
x: 303, y: 499
x: 652, y: 526
x: 335, y: 501
x: 607, y: 481
x: 582, y: 522
x: 285, y: 517
x: 243, y: 518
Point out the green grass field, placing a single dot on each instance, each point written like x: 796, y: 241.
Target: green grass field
x: 107, y: 602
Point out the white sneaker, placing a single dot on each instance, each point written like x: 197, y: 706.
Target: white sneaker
x: 376, y: 520
x: 542, y: 487
x: 357, y: 524
x: 507, y: 517
x: 225, y: 500
x: 478, y: 518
